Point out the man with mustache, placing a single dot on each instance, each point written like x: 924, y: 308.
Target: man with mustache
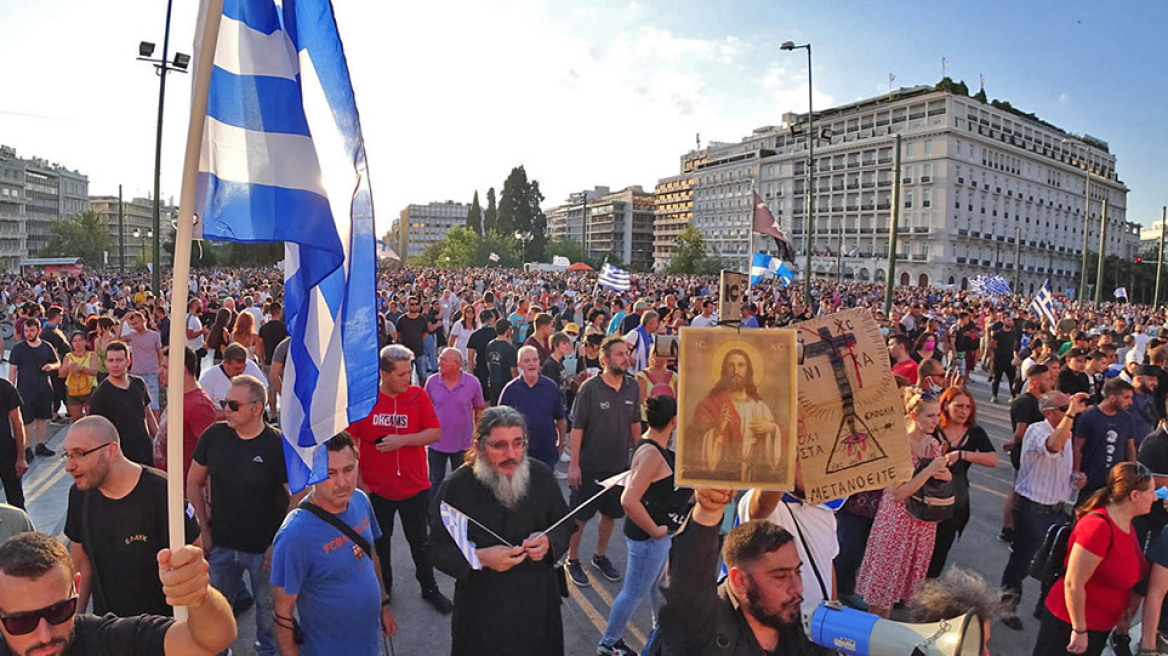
x: 508, y: 598
x: 756, y: 610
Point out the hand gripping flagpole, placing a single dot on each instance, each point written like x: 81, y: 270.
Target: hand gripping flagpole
x: 178, y: 286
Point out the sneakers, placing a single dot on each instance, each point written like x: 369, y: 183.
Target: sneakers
x: 618, y: 648
x: 42, y: 450
x: 565, y: 457
x: 1007, y: 535
x: 993, y: 399
x: 1012, y: 621
x: 604, y: 566
x: 435, y: 598
x: 577, y: 574
x: 1120, y: 644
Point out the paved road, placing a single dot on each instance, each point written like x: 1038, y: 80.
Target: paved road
x: 424, y: 631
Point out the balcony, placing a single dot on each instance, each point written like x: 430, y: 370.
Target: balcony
x: 884, y: 183
x: 867, y: 207
x: 921, y: 229
x: 850, y: 231
x: 883, y: 206
x: 865, y: 231
x: 963, y: 232
x: 920, y: 257
x: 926, y: 178
x: 961, y: 260
x: 881, y: 231
x: 975, y: 234
x: 868, y: 185
x: 884, y: 160
x: 854, y: 185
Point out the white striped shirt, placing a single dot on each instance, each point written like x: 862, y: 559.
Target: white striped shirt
x: 1044, y: 477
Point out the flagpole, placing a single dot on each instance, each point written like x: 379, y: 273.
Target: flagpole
x: 184, y: 230
x: 750, y: 244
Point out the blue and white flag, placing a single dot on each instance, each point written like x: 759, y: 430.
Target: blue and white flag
x: 1121, y: 292
x: 998, y: 286
x: 762, y: 264
x: 456, y: 525
x: 384, y: 252
x: 561, y: 261
x: 280, y: 104
x: 614, y: 278
x: 1043, y: 305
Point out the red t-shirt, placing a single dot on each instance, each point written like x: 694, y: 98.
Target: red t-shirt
x: 908, y: 369
x: 403, y: 473
x: 1109, y: 588
x: 198, y: 415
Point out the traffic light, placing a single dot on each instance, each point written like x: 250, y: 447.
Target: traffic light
x: 1139, y: 259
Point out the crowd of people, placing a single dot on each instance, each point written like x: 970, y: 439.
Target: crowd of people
x: 498, y: 388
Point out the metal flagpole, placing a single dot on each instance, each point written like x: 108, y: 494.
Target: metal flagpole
x: 1160, y: 261
x: 179, y: 282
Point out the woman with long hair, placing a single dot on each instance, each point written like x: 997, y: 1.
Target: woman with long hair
x: 461, y: 331
x: 217, y: 335
x: 925, y: 347
x: 900, y: 545
x: 80, y: 373
x: 1104, y: 563
x: 964, y: 444
x: 655, y: 510
x: 244, y: 333
x: 596, y: 322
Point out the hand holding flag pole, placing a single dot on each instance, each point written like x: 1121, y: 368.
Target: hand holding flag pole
x: 184, y: 229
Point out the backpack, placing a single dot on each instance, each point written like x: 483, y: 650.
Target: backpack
x: 934, y: 501
x: 1050, y: 561
x: 663, y: 388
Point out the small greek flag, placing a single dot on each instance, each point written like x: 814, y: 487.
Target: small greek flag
x: 456, y: 525
x: 561, y: 260
x: 494, y: 257
x: 762, y: 264
x: 614, y: 278
x: 384, y: 252
x: 1043, y: 305
x: 1121, y: 292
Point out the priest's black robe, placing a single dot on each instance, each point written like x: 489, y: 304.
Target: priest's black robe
x: 512, y: 613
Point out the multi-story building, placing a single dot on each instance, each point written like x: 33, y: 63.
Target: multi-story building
x: 980, y: 186
x: 673, y: 212
x: 137, y: 226
x: 618, y: 224
x: 47, y: 192
x: 418, y: 226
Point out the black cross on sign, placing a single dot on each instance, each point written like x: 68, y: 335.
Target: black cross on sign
x: 852, y: 446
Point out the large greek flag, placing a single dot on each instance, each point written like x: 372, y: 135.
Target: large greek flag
x: 280, y: 103
x: 762, y: 264
x: 614, y: 278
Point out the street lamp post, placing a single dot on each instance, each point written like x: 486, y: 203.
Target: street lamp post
x: 808, y: 221
x: 163, y: 66
x: 523, y: 238
x: 137, y: 234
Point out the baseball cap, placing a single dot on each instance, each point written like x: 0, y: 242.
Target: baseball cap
x: 1131, y: 356
x: 1078, y: 353
x: 1053, y: 401
x: 572, y: 329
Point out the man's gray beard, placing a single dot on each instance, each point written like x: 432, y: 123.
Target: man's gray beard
x: 509, y: 490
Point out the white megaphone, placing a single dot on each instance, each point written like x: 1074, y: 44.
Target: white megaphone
x: 834, y: 626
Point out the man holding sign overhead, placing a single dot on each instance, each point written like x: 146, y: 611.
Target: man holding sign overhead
x: 486, y: 531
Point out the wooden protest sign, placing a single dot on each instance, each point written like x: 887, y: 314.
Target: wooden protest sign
x: 731, y: 296
x: 736, y: 408
x: 852, y: 435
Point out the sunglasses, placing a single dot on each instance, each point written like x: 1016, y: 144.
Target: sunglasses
x: 28, y: 621
x: 234, y: 406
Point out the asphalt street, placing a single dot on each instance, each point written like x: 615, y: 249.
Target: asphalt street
x: 421, y: 630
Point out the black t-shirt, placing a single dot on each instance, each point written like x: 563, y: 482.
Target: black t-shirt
x: 1004, y: 352
x: 965, y: 337
x: 248, y: 494
x: 1072, y: 382
x: 630, y: 323
x: 1024, y: 410
x: 115, y: 636
x: 123, y: 541
x: 28, y: 360
x: 413, y: 331
x: 126, y: 409
x: 479, y: 340
x: 272, y: 332
x: 9, y: 401
x: 553, y: 369
x: 1153, y: 454
x: 501, y: 357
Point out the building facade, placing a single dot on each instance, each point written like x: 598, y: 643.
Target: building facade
x: 980, y: 187
x: 39, y: 192
x: 672, y: 213
x: 135, y: 239
x: 617, y: 224
x: 419, y: 226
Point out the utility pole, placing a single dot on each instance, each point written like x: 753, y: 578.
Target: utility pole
x: 895, y: 227
x: 1160, y: 262
x: 1086, y: 229
x: 121, y: 233
x: 1102, y: 256
x: 1017, y: 260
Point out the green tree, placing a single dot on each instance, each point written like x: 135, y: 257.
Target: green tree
x: 82, y: 235
x: 505, y: 246
x: 459, y: 248
x: 491, y: 214
x: 519, y: 211
x: 474, y: 216
x: 690, y: 256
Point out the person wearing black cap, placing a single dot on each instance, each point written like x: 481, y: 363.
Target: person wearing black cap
x: 1073, y: 378
x: 1143, y: 408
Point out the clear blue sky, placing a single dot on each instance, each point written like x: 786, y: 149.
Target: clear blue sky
x: 454, y: 94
